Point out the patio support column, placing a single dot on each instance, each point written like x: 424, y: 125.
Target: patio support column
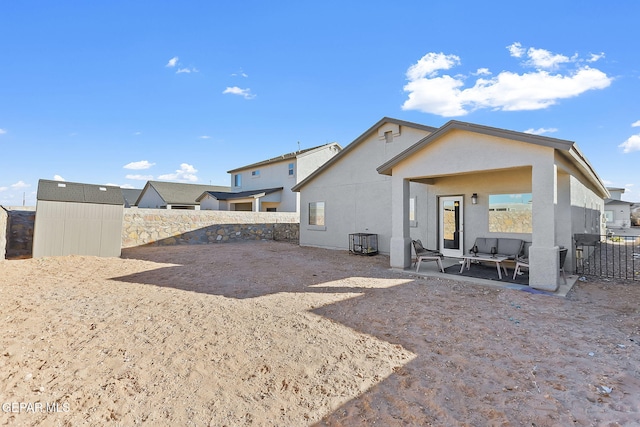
x: 256, y: 204
x: 400, y: 245
x: 543, y: 254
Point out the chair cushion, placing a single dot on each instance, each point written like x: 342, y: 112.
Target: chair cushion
x: 510, y: 247
x: 485, y: 244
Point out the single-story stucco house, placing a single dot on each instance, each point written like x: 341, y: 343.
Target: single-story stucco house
x: 173, y: 195
x: 449, y: 185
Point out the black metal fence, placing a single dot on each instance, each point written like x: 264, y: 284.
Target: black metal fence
x: 609, y: 256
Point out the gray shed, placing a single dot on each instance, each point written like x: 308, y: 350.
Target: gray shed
x: 78, y: 219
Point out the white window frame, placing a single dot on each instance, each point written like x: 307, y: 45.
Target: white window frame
x: 413, y: 212
x: 313, y: 206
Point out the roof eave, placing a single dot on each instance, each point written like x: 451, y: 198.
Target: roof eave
x: 558, y: 144
x: 355, y: 143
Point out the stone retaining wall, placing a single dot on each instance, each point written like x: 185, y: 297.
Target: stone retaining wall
x: 177, y: 227
x: 162, y: 227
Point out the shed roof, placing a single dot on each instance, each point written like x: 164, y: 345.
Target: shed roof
x: 225, y: 195
x: 176, y: 193
x: 63, y: 191
x: 283, y: 157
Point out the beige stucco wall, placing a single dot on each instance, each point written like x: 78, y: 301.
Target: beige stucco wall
x: 151, y: 199
x: 276, y: 174
x: 358, y: 199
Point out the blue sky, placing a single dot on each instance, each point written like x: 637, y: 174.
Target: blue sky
x: 121, y: 92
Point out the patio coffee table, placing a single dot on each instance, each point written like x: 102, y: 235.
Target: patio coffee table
x: 466, y: 261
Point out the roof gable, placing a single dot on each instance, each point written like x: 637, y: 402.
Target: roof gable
x: 558, y: 144
x: 225, y: 195
x: 176, y: 193
x: 356, y: 142
x: 282, y: 158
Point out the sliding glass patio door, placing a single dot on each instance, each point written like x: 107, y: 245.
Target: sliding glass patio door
x: 451, y: 226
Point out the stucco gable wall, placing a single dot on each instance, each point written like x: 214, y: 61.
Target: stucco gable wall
x: 357, y: 197
x: 308, y: 162
x: 151, y: 199
x: 460, y: 152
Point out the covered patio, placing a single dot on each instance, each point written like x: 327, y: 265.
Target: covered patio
x: 485, y: 275
x: 462, y: 181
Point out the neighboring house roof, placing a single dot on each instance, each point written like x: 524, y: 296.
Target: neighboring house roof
x: 283, y: 157
x: 618, y: 202
x: 574, y: 154
x: 346, y: 150
x: 224, y: 195
x: 63, y: 191
x: 175, y: 193
x: 131, y: 196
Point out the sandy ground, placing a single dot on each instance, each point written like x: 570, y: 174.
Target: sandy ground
x: 268, y: 333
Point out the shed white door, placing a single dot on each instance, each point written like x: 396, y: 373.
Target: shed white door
x: 451, y: 226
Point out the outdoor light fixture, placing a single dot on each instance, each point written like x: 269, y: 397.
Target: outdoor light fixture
x: 474, y: 198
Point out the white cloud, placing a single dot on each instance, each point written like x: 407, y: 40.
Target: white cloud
x: 245, y: 93
x: 431, y: 91
x: 430, y: 64
x: 126, y: 186
x: 482, y: 72
x: 2, y: 131
x: 186, y: 173
x: 4, y: 188
x: 140, y: 177
x: 542, y: 58
x: 186, y: 70
x: 540, y: 131
x: 516, y: 50
x: 204, y: 137
x: 635, y: 124
x: 172, y: 62
x: 137, y: 133
x: 20, y: 184
x: 595, y: 57
x: 631, y: 144
x: 58, y: 178
x: 240, y: 74
x: 142, y: 164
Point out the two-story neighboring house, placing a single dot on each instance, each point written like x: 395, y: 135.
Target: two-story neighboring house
x: 617, y: 212
x: 266, y: 186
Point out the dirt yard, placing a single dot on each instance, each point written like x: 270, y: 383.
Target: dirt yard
x: 269, y: 333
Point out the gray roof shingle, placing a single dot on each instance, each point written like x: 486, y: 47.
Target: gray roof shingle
x: 63, y: 191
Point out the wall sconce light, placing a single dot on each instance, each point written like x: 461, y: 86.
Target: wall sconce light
x: 474, y: 198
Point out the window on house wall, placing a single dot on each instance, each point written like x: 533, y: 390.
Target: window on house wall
x: 271, y: 209
x: 412, y: 212
x: 290, y: 169
x: 608, y: 215
x: 255, y: 173
x: 316, y: 213
x: 510, y: 213
x: 237, y: 180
